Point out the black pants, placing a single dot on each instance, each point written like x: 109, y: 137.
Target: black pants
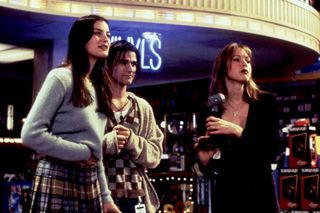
x: 126, y: 205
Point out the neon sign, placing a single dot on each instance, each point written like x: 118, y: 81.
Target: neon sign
x: 149, y: 46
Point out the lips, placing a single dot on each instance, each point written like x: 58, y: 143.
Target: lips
x: 129, y: 76
x: 104, y: 47
x: 244, y: 71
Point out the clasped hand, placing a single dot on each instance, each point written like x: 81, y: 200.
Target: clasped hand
x: 123, y: 134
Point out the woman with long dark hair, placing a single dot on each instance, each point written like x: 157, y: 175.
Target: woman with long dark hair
x: 66, y: 124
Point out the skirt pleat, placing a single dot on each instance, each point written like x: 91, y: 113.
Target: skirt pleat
x: 61, y: 186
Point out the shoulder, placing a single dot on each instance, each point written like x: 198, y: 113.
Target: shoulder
x: 267, y: 101
x: 62, y: 74
x: 141, y: 101
x: 142, y: 104
x: 265, y: 96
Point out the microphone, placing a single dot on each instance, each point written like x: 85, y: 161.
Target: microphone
x: 215, y: 100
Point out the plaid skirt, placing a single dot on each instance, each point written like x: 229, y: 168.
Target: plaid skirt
x: 61, y: 186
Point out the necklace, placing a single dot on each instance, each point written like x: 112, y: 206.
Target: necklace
x: 88, y: 81
x: 235, y: 113
x: 121, y: 107
x: 236, y: 110
x: 120, y: 110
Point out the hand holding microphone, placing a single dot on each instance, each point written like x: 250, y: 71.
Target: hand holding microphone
x: 216, y: 127
x: 213, y: 102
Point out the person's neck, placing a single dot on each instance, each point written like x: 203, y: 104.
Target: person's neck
x: 119, y: 92
x: 87, y: 77
x: 235, y: 92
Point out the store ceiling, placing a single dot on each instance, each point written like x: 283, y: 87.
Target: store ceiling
x: 187, y: 52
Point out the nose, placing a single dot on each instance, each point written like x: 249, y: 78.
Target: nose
x: 244, y: 61
x: 130, y: 67
x: 106, y: 38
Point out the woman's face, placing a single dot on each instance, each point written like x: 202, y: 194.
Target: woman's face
x: 240, y: 68
x: 98, y: 45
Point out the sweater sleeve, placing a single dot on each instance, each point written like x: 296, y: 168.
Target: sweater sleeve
x: 146, y: 146
x: 110, y: 143
x: 36, y: 129
x: 105, y: 192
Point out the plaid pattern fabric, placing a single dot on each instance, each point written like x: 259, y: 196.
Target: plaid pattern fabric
x: 122, y: 173
x: 65, y: 187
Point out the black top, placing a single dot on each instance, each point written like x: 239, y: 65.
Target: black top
x: 244, y: 182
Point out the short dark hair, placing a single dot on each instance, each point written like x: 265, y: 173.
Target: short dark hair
x: 118, y: 49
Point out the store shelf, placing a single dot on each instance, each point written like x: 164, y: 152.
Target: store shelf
x: 297, y: 100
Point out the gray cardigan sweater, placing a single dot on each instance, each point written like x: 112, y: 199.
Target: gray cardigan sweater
x: 56, y: 128
x: 145, y: 147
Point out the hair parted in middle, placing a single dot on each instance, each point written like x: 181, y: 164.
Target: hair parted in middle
x: 220, y: 71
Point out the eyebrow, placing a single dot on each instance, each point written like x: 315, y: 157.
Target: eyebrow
x: 98, y: 29
x: 245, y: 56
x: 126, y: 60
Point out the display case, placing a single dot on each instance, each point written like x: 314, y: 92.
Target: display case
x: 181, y: 192
x: 179, y: 187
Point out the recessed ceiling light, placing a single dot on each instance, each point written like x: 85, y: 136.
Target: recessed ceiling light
x: 11, y: 54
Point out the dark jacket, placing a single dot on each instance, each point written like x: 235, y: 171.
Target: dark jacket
x: 244, y: 182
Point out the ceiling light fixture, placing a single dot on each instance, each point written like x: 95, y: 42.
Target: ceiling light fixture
x: 10, y: 53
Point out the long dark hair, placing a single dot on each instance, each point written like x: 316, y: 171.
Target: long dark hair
x: 77, y: 58
x: 220, y: 70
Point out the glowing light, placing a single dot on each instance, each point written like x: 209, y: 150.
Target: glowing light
x: 80, y: 8
x: 10, y: 140
x: 151, y: 35
x: 14, y: 54
x: 19, y: 2
x: 223, y: 20
x: 206, y: 19
x: 60, y: 7
x: 166, y: 15
x: 254, y: 26
x: 148, y: 45
x: 101, y: 10
x: 124, y: 12
x: 163, y: 124
x: 240, y: 23
x: 145, y: 14
x: 185, y: 17
x: 38, y: 4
